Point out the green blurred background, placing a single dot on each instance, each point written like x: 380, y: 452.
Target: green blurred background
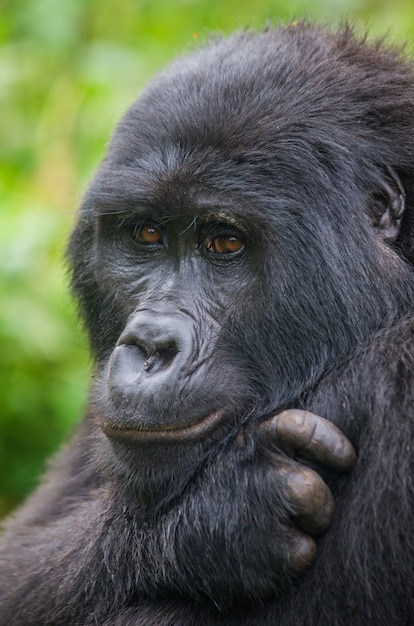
x: 68, y: 70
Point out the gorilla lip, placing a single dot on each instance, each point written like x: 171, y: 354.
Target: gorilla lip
x: 168, y: 432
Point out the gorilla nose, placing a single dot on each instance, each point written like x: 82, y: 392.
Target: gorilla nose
x: 153, y: 343
x: 159, y: 339
x: 150, y: 362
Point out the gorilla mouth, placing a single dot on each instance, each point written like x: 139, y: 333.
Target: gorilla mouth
x: 190, y: 431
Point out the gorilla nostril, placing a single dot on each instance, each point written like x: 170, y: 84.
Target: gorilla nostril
x: 150, y: 362
x: 158, y: 359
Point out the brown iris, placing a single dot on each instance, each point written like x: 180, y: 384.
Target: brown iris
x: 225, y: 244
x: 147, y: 234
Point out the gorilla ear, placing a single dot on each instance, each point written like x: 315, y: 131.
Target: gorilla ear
x: 387, y: 206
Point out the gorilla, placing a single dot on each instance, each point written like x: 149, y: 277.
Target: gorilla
x: 243, y: 262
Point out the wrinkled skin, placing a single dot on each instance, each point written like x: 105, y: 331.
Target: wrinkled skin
x: 243, y: 266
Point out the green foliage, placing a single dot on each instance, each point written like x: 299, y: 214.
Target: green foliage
x: 68, y: 70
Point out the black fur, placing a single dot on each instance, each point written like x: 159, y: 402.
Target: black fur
x: 304, y: 139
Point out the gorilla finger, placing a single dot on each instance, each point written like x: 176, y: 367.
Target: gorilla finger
x: 311, y: 500
x: 302, y: 552
x: 303, y: 433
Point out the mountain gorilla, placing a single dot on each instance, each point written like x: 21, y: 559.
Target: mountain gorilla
x: 243, y: 261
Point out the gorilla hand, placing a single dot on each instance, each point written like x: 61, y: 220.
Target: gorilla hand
x: 303, y: 434
x: 252, y: 514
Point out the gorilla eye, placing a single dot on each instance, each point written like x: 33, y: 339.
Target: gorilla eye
x: 147, y: 234
x: 224, y: 244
